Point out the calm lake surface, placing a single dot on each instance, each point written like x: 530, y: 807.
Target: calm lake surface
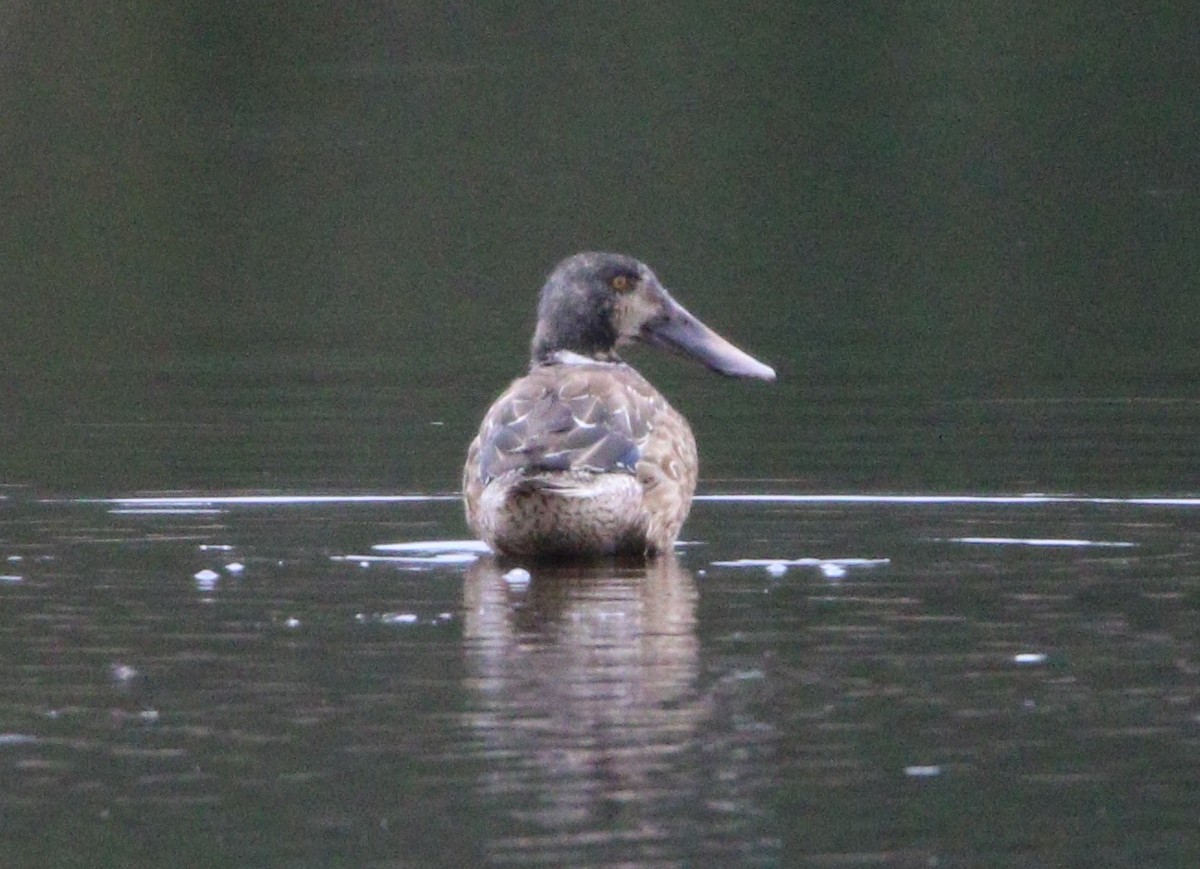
x: 263, y: 267
x: 833, y: 680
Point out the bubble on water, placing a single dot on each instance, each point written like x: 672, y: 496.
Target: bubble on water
x: 122, y: 673
x: 921, y: 771
x: 518, y: 576
x: 388, y: 618
x: 1030, y: 658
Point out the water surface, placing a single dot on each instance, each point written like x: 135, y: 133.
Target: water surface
x: 837, y: 680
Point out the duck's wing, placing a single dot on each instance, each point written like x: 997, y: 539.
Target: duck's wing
x: 589, y: 418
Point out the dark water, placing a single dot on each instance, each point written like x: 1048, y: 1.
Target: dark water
x: 831, y: 680
x: 292, y: 250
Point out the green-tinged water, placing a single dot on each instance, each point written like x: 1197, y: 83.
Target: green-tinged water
x: 263, y: 267
x: 846, y: 680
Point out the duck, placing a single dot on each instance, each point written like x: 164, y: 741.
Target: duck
x: 582, y: 458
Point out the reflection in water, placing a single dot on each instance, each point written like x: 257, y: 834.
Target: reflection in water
x: 973, y: 685
x: 583, y: 693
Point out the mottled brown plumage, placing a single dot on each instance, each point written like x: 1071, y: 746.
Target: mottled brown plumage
x: 582, y: 457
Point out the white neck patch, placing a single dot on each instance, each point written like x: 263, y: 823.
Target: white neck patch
x: 569, y: 357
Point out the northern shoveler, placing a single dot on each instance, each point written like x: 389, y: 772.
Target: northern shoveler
x: 582, y: 457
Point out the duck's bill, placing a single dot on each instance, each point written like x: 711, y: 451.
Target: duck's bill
x: 675, y: 328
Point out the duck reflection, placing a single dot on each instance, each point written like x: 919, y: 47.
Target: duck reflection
x: 583, y: 689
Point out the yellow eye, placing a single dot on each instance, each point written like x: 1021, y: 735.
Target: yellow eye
x: 620, y: 283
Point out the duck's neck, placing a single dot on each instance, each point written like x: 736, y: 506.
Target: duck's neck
x: 596, y: 344
x: 574, y: 321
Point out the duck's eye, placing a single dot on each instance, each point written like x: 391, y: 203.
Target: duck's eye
x: 620, y: 283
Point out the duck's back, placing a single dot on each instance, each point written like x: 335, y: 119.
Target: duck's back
x: 580, y: 458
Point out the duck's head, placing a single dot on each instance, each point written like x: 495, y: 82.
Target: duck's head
x: 593, y: 303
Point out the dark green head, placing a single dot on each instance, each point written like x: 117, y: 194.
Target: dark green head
x: 593, y: 303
